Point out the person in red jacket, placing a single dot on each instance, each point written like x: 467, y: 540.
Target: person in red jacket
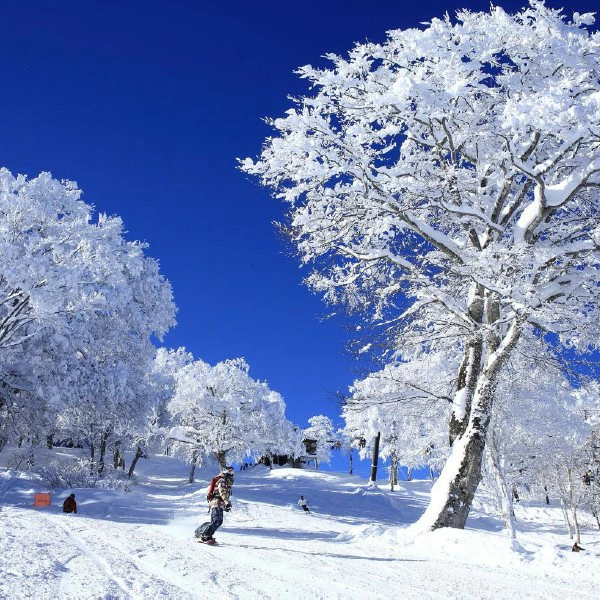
x: 69, y: 505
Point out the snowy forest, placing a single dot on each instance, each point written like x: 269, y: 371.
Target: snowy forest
x: 443, y: 189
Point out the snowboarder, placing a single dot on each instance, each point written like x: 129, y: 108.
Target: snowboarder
x: 69, y: 505
x: 304, y: 504
x: 218, y: 500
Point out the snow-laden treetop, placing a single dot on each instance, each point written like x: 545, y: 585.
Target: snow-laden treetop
x: 441, y: 157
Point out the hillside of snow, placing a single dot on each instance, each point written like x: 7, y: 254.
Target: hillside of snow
x: 355, y: 543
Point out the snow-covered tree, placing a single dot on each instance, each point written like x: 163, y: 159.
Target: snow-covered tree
x: 446, y: 183
x: 538, y: 419
x: 167, y: 364
x: 222, y: 412
x: 79, y: 307
x: 408, y: 404
x: 322, y: 433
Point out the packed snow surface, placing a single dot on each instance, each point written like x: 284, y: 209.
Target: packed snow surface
x: 355, y: 543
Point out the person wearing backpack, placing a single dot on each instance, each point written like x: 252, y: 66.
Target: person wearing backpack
x: 218, y: 495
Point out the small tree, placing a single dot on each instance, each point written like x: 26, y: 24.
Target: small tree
x: 321, y: 430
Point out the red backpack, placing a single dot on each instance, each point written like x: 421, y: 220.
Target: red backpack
x: 211, y: 487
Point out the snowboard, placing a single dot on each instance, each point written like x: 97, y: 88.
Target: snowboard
x: 199, y: 530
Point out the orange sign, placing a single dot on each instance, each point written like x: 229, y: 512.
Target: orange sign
x: 42, y: 499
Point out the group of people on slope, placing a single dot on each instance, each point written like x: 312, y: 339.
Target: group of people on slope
x: 218, y: 501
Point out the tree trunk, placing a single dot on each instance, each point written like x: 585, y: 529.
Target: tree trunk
x: 393, y: 473
x: 350, y: 461
x: 92, y: 455
x: 375, y: 460
x: 566, y: 518
x: 573, y: 506
x: 469, y: 370
x: 50, y: 442
x: 193, y: 466
x: 576, y: 524
x: 103, y: 440
x: 453, y: 493
x: 116, y: 456
x: 221, y: 458
x: 140, y: 453
x: 504, y: 495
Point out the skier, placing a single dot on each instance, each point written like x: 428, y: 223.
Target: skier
x: 304, y: 504
x: 218, y: 500
x: 69, y: 505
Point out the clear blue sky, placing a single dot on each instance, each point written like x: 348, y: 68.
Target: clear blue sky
x: 147, y: 105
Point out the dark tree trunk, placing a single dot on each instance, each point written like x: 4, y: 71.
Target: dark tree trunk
x: 463, y: 485
x: 469, y: 369
x: 373, y: 478
x: 118, y: 458
x: 462, y: 472
x: 193, y: 467
x: 140, y: 453
x: 92, y: 455
x: 103, y: 439
x: 50, y: 442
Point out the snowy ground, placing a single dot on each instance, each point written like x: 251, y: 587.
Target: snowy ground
x: 355, y: 543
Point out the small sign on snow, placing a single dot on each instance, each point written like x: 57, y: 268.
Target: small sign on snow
x: 42, y: 499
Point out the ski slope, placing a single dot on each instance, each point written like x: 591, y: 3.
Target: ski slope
x: 355, y: 543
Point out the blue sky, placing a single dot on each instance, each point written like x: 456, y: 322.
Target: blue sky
x: 147, y: 105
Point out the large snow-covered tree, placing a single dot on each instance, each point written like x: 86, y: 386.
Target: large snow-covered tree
x: 446, y: 182
x: 79, y: 305
x: 220, y: 411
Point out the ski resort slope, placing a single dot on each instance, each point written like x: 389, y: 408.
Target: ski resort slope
x: 355, y: 543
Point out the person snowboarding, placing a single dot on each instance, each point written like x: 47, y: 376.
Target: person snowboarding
x: 304, y: 504
x: 69, y: 505
x: 218, y: 500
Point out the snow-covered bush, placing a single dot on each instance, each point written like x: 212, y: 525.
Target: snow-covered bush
x: 76, y: 473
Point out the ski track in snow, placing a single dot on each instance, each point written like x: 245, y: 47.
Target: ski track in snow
x: 354, y: 544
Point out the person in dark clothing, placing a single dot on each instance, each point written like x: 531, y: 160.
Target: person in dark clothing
x: 69, y: 505
x: 218, y: 502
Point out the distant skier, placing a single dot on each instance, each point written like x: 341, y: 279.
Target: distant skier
x: 218, y: 500
x: 304, y: 504
x: 69, y: 505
